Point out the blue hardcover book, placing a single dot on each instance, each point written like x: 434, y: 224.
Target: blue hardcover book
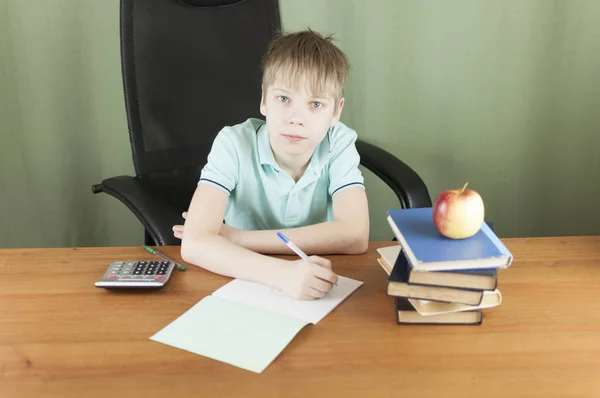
x: 398, y: 286
x: 475, y: 279
x: 428, y: 250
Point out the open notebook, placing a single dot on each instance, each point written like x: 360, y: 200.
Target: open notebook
x: 247, y: 324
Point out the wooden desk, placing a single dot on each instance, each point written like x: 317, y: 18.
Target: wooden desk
x: 62, y: 337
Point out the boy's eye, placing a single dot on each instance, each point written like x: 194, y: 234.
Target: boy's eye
x: 283, y: 98
x: 316, y: 104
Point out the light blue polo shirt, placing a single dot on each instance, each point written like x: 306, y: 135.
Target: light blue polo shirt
x: 261, y: 195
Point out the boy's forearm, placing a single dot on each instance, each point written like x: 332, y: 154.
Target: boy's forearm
x: 332, y: 237
x: 219, y: 255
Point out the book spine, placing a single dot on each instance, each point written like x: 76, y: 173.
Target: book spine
x: 477, y: 323
x: 442, y: 295
x: 461, y: 287
x: 403, y: 306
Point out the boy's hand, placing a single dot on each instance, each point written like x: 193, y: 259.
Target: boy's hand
x: 308, y: 281
x: 178, y: 229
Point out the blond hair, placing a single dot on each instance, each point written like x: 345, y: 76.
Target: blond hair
x: 307, y: 58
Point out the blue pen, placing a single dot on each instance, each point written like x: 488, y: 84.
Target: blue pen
x: 295, y: 248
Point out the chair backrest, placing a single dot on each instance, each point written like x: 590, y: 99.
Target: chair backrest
x: 190, y: 67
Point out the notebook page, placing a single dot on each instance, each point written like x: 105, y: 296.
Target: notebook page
x: 241, y: 335
x: 268, y: 298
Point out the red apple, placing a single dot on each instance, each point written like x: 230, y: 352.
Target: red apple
x: 458, y: 213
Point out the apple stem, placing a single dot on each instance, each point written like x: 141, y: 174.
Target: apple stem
x: 464, y: 187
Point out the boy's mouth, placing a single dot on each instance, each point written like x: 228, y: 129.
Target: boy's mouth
x: 293, y: 137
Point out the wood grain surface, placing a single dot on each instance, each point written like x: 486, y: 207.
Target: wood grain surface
x: 62, y: 337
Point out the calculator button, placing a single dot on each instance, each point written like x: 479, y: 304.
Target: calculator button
x: 111, y: 276
x: 158, y: 277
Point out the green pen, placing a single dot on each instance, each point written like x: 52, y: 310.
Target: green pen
x: 159, y: 254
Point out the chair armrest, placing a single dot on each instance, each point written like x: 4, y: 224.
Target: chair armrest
x: 156, y: 214
x: 404, y: 181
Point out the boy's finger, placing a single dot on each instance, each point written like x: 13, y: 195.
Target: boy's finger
x: 325, y: 273
x: 323, y: 262
x: 315, y: 293
x: 184, y: 214
x: 320, y: 285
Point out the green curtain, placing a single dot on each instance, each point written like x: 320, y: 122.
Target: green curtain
x: 503, y: 94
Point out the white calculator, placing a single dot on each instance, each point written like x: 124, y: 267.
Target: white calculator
x: 137, y: 274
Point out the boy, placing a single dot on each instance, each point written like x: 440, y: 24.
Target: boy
x: 297, y: 174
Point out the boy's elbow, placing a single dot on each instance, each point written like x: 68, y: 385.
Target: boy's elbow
x: 185, y: 251
x: 358, y: 244
x: 195, y: 248
x: 189, y: 250
x: 361, y: 246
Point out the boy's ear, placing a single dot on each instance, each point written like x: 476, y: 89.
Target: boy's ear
x: 338, y: 113
x: 263, y: 110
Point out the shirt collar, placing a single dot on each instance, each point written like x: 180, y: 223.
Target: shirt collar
x: 320, y: 157
x: 265, y: 153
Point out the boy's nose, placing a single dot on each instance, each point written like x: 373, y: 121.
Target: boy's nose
x: 295, y: 117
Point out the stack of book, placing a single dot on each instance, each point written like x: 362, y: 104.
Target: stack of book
x: 437, y: 280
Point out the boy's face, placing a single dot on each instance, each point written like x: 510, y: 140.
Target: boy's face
x: 297, y: 120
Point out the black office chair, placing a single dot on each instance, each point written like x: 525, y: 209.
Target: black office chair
x: 189, y: 68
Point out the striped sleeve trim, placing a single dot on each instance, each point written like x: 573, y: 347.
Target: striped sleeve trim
x: 347, y: 185
x: 216, y: 183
